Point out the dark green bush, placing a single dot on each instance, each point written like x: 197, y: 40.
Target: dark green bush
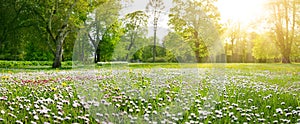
x: 24, y: 64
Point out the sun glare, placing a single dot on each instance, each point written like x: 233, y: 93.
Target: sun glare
x: 243, y: 11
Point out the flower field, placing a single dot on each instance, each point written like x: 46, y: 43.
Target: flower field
x: 212, y: 94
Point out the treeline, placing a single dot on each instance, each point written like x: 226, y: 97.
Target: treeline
x: 94, y: 31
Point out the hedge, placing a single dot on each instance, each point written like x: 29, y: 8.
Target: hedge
x: 22, y: 64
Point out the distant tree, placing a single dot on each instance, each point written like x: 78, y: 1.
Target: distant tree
x: 135, y: 24
x: 156, y: 7
x: 103, y: 22
x: 177, y: 48
x: 197, y: 22
x: 264, y: 48
x: 283, y: 15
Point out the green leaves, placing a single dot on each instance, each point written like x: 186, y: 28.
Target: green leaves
x: 195, y: 22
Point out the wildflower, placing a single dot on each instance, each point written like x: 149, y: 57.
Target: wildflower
x: 11, y: 108
x: 32, y: 122
x: 75, y: 104
x: 248, y: 119
x: 12, y: 115
x: 261, y: 119
x: 235, y: 105
x: 19, y: 122
x: 279, y: 110
x: 53, y: 88
x: 100, y: 115
x: 219, y: 116
x: 2, y: 112
x: 5, y: 77
x: 36, y: 117
x: 60, y: 113
x: 137, y: 110
x: 64, y: 84
x: 130, y: 110
x: 47, y: 116
x: 154, y: 112
x: 3, y: 98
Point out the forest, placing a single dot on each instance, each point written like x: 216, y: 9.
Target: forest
x: 95, y: 31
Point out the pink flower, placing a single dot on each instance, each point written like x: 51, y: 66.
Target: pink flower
x: 3, y: 98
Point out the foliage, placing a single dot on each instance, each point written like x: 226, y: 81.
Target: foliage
x: 264, y: 48
x: 104, y: 30
x: 135, y: 28
x: 178, y: 49
x: 197, y: 23
x: 283, y: 15
x: 28, y: 64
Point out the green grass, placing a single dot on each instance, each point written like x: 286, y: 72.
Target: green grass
x: 140, y: 93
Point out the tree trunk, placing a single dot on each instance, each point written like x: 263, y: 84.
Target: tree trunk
x: 59, y: 47
x: 127, y: 55
x: 154, y: 45
x: 285, y: 58
x: 197, y: 52
x: 58, y: 54
x: 97, y: 59
x: 129, y: 47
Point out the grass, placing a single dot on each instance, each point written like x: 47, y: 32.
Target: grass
x: 153, y: 93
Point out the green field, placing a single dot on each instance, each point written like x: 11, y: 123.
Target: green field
x: 152, y: 93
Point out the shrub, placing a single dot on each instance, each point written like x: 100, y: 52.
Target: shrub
x: 24, y: 64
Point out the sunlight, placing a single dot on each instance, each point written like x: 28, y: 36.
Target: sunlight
x: 243, y: 11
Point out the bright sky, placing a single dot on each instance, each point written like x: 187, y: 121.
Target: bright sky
x: 243, y: 11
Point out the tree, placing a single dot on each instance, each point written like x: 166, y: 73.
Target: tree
x: 264, y: 48
x: 58, y: 18
x: 197, y: 23
x: 237, y: 43
x: 284, y: 14
x: 157, y: 7
x: 135, y: 23
x: 177, y: 49
x: 102, y: 22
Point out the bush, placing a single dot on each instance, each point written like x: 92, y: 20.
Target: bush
x: 24, y: 64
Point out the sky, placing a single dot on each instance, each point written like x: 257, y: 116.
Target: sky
x: 242, y: 11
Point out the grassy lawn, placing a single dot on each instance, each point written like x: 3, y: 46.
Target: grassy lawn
x: 152, y: 93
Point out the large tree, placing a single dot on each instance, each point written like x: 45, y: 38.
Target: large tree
x: 284, y: 15
x: 197, y: 23
x: 58, y: 18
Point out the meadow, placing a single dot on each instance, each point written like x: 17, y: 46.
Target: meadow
x: 152, y: 93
